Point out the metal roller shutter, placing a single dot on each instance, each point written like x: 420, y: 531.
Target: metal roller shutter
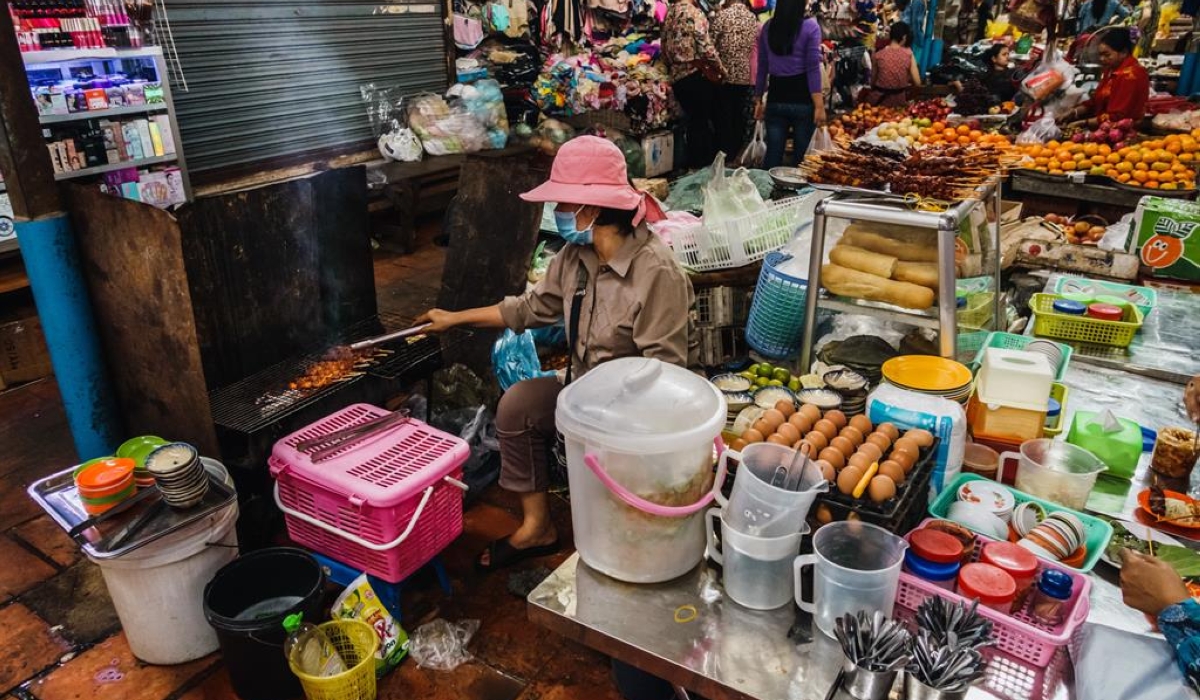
x: 273, y: 78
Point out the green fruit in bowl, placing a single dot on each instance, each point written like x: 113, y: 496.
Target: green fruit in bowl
x: 782, y: 374
x: 752, y: 369
x: 749, y: 375
x: 775, y: 382
x: 766, y: 371
x: 794, y: 384
x: 761, y: 382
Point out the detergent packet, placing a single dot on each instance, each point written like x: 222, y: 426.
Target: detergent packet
x: 359, y: 602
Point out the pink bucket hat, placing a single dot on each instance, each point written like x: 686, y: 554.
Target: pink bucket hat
x: 591, y: 170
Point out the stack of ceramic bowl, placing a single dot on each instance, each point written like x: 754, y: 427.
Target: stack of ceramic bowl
x: 823, y: 399
x: 852, y: 387
x: 984, y: 506
x: 179, y: 474
x: 927, y: 374
x: 103, y: 483
x: 138, y: 449
x: 1051, y: 350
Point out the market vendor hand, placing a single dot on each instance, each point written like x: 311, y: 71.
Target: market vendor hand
x: 439, y: 321
x: 1150, y: 584
x: 1191, y: 399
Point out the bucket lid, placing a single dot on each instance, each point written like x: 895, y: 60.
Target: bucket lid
x: 641, y: 404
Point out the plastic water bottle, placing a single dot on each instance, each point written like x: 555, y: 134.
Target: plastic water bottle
x: 309, y: 649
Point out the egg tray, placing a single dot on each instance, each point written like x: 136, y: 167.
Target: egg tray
x: 898, y: 514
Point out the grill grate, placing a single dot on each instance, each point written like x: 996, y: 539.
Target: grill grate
x: 263, y: 398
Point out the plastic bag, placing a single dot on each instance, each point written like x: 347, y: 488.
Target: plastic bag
x: 401, y: 144
x: 730, y: 197
x: 444, y: 129
x: 515, y: 359
x: 821, y: 141
x: 1045, y: 81
x: 1039, y: 132
x: 484, y: 100
x: 359, y: 602
x: 442, y: 645
x: 754, y: 152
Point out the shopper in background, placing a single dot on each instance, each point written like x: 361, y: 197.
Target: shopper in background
x: 734, y: 32
x: 1124, y: 88
x: 894, y: 70
x: 999, y: 77
x: 789, y: 76
x: 913, y: 13
x: 696, y: 71
x: 985, y: 12
x: 1094, y: 14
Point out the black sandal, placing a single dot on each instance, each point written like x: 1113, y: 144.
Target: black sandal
x: 502, y: 554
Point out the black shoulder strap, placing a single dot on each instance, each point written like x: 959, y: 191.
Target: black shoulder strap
x: 581, y: 282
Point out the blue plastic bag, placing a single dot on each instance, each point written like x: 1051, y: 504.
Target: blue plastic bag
x: 515, y: 359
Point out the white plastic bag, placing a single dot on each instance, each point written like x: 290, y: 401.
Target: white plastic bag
x: 729, y: 197
x: 754, y: 152
x: 821, y: 141
x: 401, y: 144
x: 442, y: 645
x: 1039, y: 132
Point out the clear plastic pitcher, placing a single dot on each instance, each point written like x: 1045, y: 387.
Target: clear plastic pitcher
x: 758, y: 508
x: 756, y: 571
x: 1056, y: 471
x: 856, y: 566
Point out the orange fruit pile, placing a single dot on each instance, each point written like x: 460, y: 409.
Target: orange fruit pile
x: 961, y: 135
x: 1167, y: 163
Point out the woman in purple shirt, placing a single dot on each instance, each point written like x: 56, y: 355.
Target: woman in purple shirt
x: 789, y: 76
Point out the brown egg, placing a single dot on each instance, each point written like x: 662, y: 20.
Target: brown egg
x: 907, y: 445
x: 812, y: 412
x: 775, y: 418
x: 824, y: 516
x: 878, y: 439
x: 787, y: 408
x: 859, y: 460
x: 848, y: 479
x: 839, y: 419
x: 889, y: 429
x: 827, y: 469
x: 904, y: 459
x: 802, y: 422
x: 843, y: 444
x: 817, y: 440
x: 777, y: 439
x: 834, y: 456
x: 752, y: 436
x: 893, y: 471
x: 807, y: 448
x: 854, y: 434
x: 871, y: 451
x: 827, y: 427
x: 738, y: 445
x: 862, y: 423
x: 764, y: 426
x: 923, y: 438
x: 881, y: 488
x: 789, y: 431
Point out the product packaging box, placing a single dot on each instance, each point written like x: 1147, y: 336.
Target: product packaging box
x: 97, y: 98
x: 23, y: 353
x: 154, y: 93
x: 659, y: 151
x: 1166, y: 237
x: 153, y: 188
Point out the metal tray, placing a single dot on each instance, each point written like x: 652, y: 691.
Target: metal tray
x: 57, y: 495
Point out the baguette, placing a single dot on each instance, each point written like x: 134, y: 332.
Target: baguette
x: 896, y: 232
x: 861, y: 285
x: 863, y: 260
x: 901, y: 250
x: 922, y: 273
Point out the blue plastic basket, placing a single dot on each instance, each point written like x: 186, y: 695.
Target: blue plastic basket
x: 777, y: 311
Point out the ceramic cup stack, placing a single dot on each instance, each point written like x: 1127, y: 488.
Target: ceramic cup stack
x: 179, y: 474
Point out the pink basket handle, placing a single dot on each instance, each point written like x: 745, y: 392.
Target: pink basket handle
x: 633, y: 500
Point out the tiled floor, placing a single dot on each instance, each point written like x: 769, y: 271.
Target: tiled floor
x: 60, y: 638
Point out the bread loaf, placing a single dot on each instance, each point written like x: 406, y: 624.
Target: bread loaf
x: 904, y: 234
x: 922, y: 273
x: 901, y: 250
x: 863, y: 260
x: 861, y: 285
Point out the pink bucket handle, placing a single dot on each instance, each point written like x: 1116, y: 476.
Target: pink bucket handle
x: 635, y: 501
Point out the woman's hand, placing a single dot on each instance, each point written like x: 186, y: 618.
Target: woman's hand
x: 819, y: 117
x: 1149, y: 584
x: 760, y: 110
x: 439, y: 321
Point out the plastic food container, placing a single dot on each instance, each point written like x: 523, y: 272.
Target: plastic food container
x: 941, y: 575
x: 990, y: 585
x: 1070, y: 307
x: 1053, y: 411
x: 1057, y: 471
x: 1018, y: 562
x: 1015, y: 378
x: 1105, y: 312
x: 980, y: 459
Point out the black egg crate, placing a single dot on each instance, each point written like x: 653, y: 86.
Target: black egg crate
x: 899, y: 514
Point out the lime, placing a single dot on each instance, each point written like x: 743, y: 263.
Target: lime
x: 749, y: 375
x: 794, y: 384
x: 752, y: 369
x: 774, y: 382
x: 782, y: 374
x: 761, y: 382
x: 766, y: 370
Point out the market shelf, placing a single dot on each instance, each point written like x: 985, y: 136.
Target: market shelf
x: 61, y: 55
x: 97, y: 170
x: 102, y: 113
x: 926, y: 318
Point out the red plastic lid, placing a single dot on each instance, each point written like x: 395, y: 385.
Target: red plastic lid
x: 990, y: 584
x: 1018, y: 561
x: 936, y: 546
x: 1106, y: 312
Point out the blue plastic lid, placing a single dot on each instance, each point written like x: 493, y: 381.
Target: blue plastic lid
x: 1055, y: 584
x: 930, y: 571
x: 961, y: 301
x: 1149, y: 437
x: 1066, y: 306
x: 1053, y: 408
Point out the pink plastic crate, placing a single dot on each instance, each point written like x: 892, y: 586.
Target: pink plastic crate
x: 1018, y: 634
x: 386, y: 506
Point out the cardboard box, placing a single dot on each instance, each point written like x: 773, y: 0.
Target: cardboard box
x: 1168, y: 237
x: 659, y: 151
x: 23, y: 353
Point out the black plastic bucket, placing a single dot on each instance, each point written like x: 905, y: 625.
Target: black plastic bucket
x: 246, y: 603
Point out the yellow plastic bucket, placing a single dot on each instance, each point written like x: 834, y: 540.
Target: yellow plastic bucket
x: 356, y: 642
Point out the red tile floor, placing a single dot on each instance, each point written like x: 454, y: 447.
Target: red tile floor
x: 59, y: 633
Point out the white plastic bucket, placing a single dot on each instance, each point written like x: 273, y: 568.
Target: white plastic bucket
x: 158, y: 589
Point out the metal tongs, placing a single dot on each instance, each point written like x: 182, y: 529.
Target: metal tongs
x: 378, y: 340
x: 323, y: 447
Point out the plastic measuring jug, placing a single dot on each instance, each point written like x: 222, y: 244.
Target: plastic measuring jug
x: 856, y: 566
x: 1056, y: 471
x: 756, y: 571
x: 758, y: 506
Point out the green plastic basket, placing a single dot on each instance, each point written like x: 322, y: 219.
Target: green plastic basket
x: 978, y: 311
x: 1097, y: 532
x: 1012, y: 341
x: 1059, y: 392
x: 1145, y: 298
x: 970, y: 344
x: 1049, y: 323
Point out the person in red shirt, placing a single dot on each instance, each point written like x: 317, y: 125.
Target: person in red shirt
x: 1124, y: 87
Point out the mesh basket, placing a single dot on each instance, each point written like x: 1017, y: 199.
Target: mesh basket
x: 718, y: 307
x: 1051, y: 324
x: 739, y: 241
x: 356, y: 643
x: 777, y: 311
x: 978, y: 312
x: 1012, y: 341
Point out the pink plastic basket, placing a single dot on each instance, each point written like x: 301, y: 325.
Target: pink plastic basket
x: 386, y: 506
x: 1019, y: 634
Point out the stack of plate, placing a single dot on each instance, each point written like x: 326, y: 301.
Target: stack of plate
x: 927, y: 374
x: 853, y: 388
x: 179, y: 474
x: 103, y: 483
x: 138, y: 449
